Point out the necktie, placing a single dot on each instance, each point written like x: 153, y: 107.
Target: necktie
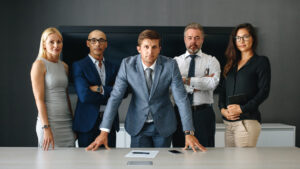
x: 100, y: 64
x: 191, y: 74
x: 148, y: 74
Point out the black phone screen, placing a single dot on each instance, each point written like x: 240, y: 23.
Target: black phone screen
x: 175, y: 151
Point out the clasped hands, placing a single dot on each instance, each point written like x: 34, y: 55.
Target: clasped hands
x: 232, y: 112
x: 102, y: 139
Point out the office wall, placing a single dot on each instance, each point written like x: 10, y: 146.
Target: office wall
x: 278, y: 29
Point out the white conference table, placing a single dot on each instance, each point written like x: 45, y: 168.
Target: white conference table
x: 217, y: 158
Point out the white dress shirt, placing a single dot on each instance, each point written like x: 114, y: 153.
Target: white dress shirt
x: 151, y: 67
x: 206, y: 85
x: 101, y: 72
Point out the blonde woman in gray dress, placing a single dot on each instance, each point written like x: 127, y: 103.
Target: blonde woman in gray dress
x: 49, y: 77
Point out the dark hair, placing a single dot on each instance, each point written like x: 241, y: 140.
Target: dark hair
x: 232, y: 53
x: 148, y: 34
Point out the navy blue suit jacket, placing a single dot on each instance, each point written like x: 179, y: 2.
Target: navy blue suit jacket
x: 87, y: 109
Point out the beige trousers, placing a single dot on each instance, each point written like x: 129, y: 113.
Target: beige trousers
x: 242, y: 133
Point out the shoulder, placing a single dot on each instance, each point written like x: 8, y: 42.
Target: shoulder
x: 211, y: 60
x: 209, y: 57
x: 38, y: 66
x: 131, y: 59
x: 65, y: 66
x: 166, y: 60
x: 81, y: 61
x: 264, y: 60
x: 110, y: 64
x: 178, y: 58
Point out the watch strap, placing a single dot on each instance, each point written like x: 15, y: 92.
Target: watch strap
x: 189, y: 133
x: 45, y: 126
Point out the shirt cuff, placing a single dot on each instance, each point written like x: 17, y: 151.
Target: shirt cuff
x: 102, y: 90
x: 105, y: 129
x: 189, y: 89
x: 192, y: 82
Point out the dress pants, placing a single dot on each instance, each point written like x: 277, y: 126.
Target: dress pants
x: 204, y: 120
x: 86, y: 138
x: 149, y: 137
x: 243, y: 133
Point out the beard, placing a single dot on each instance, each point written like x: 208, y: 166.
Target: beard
x: 191, y: 51
x: 193, y: 48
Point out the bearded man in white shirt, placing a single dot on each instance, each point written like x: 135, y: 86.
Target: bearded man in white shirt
x: 200, y: 73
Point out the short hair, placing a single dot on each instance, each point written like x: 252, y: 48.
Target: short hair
x: 148, y: 34
x: 45, y: 34
x: 193, y: 25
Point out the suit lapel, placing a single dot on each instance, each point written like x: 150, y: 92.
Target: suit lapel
x: 108, y: 72
x: 93, y: 70
x: 140, y: 71
x: 157, y: 71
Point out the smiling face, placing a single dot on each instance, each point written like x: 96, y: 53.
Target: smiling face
x: 193, y: 39
x: 97, y: 44
x: 243, y: 40
x: 53, y: 45
x: 149, y: 50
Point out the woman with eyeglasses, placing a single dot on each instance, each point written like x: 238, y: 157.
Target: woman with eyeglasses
x: 245, y: 86
x: 49, y: 77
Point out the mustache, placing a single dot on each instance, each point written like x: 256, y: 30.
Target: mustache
x: 98, y: 49
x: 192, y: 45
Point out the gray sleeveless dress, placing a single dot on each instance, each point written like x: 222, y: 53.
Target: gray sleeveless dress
x: 59, y: 116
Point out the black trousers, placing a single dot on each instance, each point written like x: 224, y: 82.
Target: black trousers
x: 86, y: 138
x: 204, y: 120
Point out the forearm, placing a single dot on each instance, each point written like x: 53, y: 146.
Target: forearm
x: 42, y: 111
x: 181, y: 99
x: 204, y: 83
x: 86, y: 95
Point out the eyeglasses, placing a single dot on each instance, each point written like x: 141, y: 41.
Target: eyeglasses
x: 244, y: 38
x: 196, y: 38
x: 94, y: 40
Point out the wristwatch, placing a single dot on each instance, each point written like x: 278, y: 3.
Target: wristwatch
x: 187, y: 80
x: 189, y: 133
x: 46, y: 126
x: 99, y: 89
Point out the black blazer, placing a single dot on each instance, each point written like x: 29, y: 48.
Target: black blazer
x: 253, y: 81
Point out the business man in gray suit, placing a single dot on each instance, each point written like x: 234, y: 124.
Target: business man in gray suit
x: 150, y: 118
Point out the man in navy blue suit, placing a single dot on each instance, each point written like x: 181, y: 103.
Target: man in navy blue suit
x: 94, y: 78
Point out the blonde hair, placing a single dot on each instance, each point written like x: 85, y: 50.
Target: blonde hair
x: 45, y: 34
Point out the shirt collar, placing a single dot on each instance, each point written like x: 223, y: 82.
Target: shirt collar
x: 95, y: 61
x: 187, y: 54
x: 151, y: 67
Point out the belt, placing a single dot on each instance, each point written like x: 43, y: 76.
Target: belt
x: 201, y: 107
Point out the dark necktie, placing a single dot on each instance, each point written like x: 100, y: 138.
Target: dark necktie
x: 148, y: 74
x: 191, y: 74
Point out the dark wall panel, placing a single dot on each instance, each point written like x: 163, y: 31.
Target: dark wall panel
x: 278, y: 30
